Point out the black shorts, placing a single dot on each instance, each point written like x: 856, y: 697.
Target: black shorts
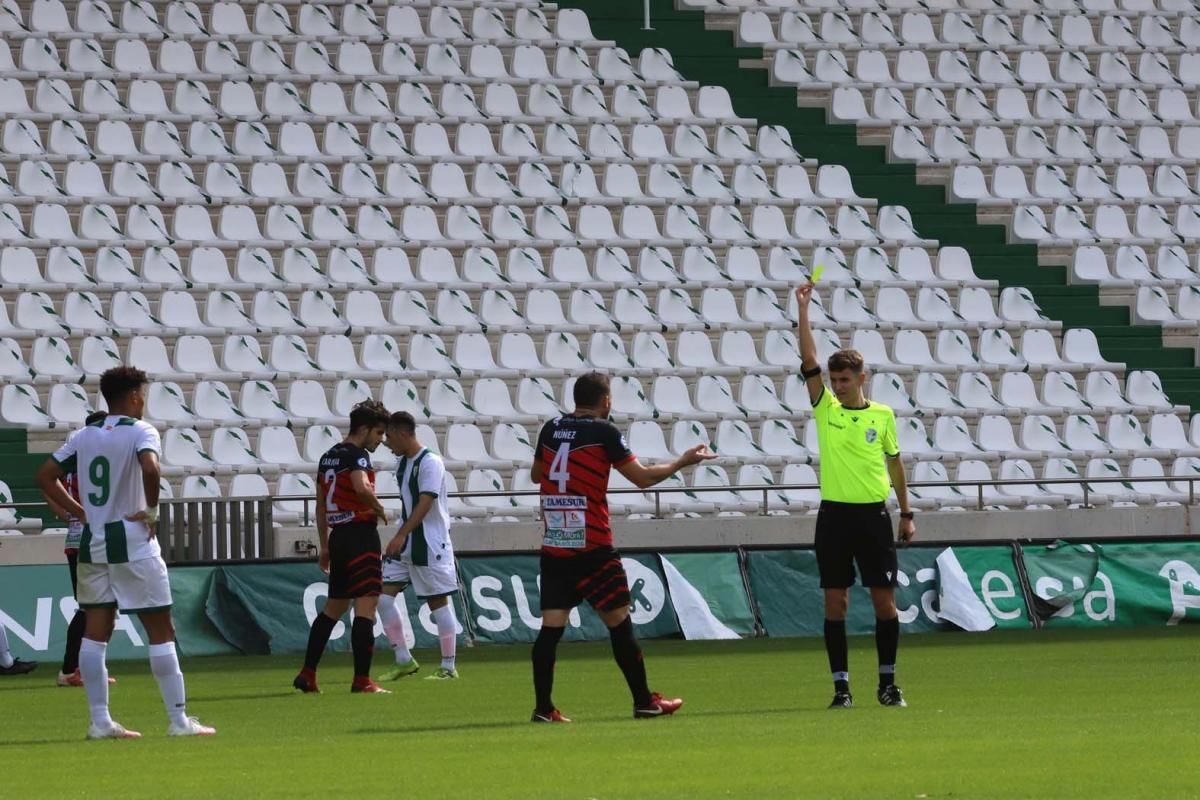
x: 596, y: 576
x: 855, y: 532
x: 355, y: 561
x: 73, y: 565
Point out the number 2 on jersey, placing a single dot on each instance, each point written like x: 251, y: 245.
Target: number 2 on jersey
x: 98, y: 472
x: 331, y: 479
x: 558, y: 467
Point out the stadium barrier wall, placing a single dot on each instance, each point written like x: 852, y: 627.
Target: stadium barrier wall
x: 257, y: 608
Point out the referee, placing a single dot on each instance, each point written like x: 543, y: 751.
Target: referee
x: 860, y: 463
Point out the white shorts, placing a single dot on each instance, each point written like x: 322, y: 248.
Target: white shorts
x: 437, y: 580
x: 132, y: 587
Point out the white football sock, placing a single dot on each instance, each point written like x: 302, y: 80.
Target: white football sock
x: 6, y: 657
x: 164, y: 663
x: 444, y: 617
x: 94, y: 670
x: 393, y: 627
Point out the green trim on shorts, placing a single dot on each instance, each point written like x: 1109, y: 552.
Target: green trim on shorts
x: 402, y: 584
x: 147, y: 610
x: 113, y: 604
x: 434, y: 495
x: 436, y: 596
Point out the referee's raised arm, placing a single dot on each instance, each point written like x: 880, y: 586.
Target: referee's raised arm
x: 810, y: 367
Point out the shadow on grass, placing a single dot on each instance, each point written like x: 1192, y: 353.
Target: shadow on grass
x: 216, y: 698
x: 610, y: 719
x: 27, y: 685
x: 72, y: 740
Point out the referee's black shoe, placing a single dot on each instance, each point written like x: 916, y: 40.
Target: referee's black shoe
x: 842, y: 700
x: 891, y: 696
x: 19, y: 667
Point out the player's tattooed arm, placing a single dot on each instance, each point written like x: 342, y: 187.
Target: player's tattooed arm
x: 322, y: 533
x: 366, y: 493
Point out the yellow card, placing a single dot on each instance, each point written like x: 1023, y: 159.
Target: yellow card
x: 816, y: 276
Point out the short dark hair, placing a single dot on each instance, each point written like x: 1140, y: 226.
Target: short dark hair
x: 847, y: 359
x: 591, y: 388
x: 368, y: 414
x: 118, y: 382
x: 94, y: 417
x: 404, y: 421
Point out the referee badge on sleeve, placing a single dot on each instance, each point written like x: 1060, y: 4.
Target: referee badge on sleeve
x: 872, y: 435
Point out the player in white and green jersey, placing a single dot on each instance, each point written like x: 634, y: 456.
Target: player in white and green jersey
x: 421, y: 552
x: 120, y: 563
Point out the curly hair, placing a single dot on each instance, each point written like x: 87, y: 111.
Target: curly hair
x: 368, y: 414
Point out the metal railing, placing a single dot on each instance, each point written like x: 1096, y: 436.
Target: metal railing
x: 191, y: 528
x: 194, y: 529
x: 980, y: 496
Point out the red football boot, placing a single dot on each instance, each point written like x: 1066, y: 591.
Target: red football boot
x: 553, y: 716
x: 659, y: 707
x: 306, y: 682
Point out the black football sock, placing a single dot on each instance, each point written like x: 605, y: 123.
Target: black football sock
x: 543, y: 667
x: 318, y: 637
x: 362, y: 642
x: 838, y: 652
x: 887, y: 641
x: 628, y: 655
x: 74, y: 640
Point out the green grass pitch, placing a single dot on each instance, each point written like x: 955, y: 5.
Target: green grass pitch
x: 1031, y: 714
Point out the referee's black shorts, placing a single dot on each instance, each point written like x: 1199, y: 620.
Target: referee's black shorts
x: 355, y: 561
x: 849, y: 533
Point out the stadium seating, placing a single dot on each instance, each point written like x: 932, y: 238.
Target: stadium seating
x: 278, y: 210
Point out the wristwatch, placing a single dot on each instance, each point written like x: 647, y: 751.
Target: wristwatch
x: 907, y: 515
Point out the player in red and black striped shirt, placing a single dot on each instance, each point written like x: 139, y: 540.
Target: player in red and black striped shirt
x: 574, y: 457
x: 347, y: 515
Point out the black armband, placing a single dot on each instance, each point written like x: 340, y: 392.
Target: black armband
x: 810, y: 373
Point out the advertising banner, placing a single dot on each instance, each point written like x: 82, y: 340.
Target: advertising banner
x: 1154, y: 583
x: 709, y: 595
x: 975, y: 580
x: 504, y: 607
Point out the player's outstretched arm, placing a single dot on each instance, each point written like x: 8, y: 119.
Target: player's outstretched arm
x: 644, y: 477
x: 810, y: 365
x: 907, y: 529
x: 49, y: 481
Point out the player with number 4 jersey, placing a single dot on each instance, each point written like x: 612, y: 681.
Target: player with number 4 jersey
x: 574, y: 458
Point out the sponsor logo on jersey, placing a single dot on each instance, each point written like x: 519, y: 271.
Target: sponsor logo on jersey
x: 872, y: 435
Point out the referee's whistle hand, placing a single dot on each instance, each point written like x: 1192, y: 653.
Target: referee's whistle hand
x: 907, y: 532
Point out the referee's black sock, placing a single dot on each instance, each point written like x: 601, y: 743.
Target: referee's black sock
x: 362, y: 642
x: 887, y: 641
x: 838, y: 652
x: 543, y: 667
x: 318, y: 637
x: 628, y: 654
x: 74, y: 641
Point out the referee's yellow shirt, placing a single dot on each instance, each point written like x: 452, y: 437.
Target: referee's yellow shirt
x: 853, y: 445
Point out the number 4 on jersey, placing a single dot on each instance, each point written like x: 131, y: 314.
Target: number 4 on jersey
x: 558, y: 467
